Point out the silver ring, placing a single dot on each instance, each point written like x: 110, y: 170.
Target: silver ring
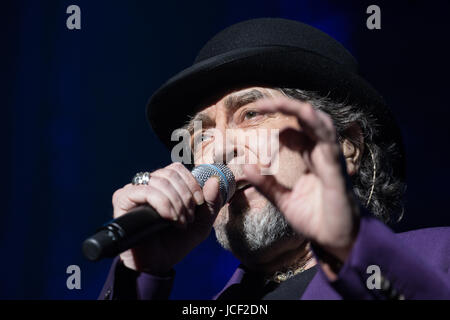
x: 141, y: 178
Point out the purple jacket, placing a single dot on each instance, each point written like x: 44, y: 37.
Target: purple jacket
x: 413, y: 265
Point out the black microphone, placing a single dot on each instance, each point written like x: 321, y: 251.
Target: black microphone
x: 128, y: 230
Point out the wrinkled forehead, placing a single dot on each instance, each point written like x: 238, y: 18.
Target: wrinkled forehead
x: 238, y: 98
x: 232, y: 102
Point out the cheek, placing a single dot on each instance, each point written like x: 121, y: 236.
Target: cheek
x: 291, y: 167
x: 203, y: 156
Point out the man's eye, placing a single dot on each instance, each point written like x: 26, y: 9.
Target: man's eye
x: 250, y: 114
x: 205, y: 137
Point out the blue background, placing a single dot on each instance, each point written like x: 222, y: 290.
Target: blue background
x: 74, y: 128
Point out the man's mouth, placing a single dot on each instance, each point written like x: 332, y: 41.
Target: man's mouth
x: 240, y: 187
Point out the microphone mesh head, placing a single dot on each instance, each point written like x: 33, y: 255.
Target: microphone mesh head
x: 227, y: 183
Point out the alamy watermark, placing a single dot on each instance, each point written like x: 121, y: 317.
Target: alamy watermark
x: 74, y: 20
x: 374, y: 20
x: 374, y: 280
x: 74, y: 280
x: 234, y: 146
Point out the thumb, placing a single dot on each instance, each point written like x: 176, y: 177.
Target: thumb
x: 207, y: 212
x: 212, y: 195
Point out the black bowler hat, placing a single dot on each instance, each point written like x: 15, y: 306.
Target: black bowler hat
x: 270, y: 52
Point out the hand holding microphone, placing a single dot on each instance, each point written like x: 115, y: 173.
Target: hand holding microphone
x: 160, y: 222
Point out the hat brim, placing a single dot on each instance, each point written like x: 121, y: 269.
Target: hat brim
x: 208, y: 81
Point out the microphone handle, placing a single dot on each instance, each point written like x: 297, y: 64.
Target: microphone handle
x: 123, y: 233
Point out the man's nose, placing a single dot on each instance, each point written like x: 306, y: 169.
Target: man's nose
x: 227, y: 148
x: 225, y: 152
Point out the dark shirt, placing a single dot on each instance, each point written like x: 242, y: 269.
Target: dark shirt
x: 255, y: 287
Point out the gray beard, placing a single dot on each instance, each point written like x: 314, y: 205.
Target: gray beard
x: 251, y: 233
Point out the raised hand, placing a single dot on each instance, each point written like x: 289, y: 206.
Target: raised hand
x: 320, y: 205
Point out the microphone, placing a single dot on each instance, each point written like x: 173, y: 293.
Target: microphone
x: 128, y: 230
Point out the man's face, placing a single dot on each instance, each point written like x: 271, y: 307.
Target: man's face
x: 249, y: 225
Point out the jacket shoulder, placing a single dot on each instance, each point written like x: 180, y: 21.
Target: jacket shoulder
x: 433, y: 244
x: 426, y: 234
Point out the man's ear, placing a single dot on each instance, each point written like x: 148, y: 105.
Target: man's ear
x: 353, y: 148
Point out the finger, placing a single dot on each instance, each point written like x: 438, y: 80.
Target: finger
x: 307, y: 117
x: 328, y: 166
x: 267, y: 185
x: 181, y: 188
x: 330, y: 134
x: 212, y: 194
x: 168, y: 189
x: 120, y: 202
x: 328, y: 163
x: 131, y: 196
x: 190, y: 181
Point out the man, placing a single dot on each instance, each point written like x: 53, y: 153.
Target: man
x: 312, y: 229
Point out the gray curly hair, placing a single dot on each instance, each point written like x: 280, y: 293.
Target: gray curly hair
x: 386, y: 198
